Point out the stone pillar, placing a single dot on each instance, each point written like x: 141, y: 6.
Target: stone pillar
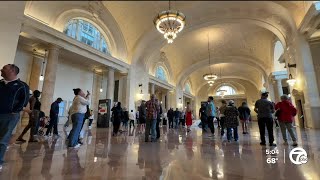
x: 307, y: 82
x: 37, y: 66
x: 152, y: 89
x: 168, y: 100
x: 110, y: 86
x: 278, y: 90
x: 49, y: 78
x: 11, y: 16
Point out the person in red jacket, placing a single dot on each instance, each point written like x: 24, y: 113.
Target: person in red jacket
x: 285, y: 111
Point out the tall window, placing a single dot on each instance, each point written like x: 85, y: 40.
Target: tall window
x: 87, y: 33
x: 227, y: 90
x: 161, y: 74
x: 187, y: 88
x: 278, y: 51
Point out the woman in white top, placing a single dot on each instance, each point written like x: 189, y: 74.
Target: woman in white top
x: 77, y: 112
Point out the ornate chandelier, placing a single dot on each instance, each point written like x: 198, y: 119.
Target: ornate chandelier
x: 170, y: 23
x: 210, y: 77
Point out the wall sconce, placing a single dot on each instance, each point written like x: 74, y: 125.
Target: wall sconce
x: 41, y: 78
x: 292, y: 65
x: 291, y: 81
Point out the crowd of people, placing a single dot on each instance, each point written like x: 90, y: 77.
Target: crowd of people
x: 15, y: 97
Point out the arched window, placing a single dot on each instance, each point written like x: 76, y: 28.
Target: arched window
x: 87, y: 33
x: 225, y: 90
x: 161, y: 74
x: 277, y: 52
x: 187, y: 88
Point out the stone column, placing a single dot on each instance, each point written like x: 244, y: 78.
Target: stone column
x: 278, y: 90
x: 37, y: 66
x: 11, y: 16
x: 49, y: 78
x: 110, y: 86
x: 152, y: 88
x: 168, y: 100
x: 307, y: 82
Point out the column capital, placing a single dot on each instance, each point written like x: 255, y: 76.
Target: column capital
x: 54, y: 47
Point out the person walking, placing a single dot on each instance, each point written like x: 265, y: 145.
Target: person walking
x: 14, y: 95
x: 117, y: 114
x: 182, y: 119
x: 188, y: 117
x: 152, y: 111
x: 125, y: 120
x: 286, y: 112
x: 244, y: 115
x: 54, y: 114
x: 211, y: 113
x: 170, y: 117
x: 91, y: 117
x: 158, y: 119
x: 132, y: 118
x: 142, y: 116
x: 176, y: 118
x: 265, y: 108
x: 79, y: 108
x: 222, y: 110
x: 34, y: 117
x: 203, y: 117
x: 231, y: 121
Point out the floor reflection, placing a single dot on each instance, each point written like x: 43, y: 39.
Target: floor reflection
x: 177, y: 155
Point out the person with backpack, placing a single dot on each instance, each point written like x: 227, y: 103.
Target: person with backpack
x: 285, y: 112
x: 117, y: 114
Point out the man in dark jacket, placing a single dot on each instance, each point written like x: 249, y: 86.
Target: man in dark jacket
x: 54, y: 114
x: 170, y: 117
x: 14, y: 96
x: 158, y: 119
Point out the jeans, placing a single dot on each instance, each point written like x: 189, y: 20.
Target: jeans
x: 235, y: 133
x: 116, y: 126
x: 176, y: 122
x: 151, y: 124
x: 7, y: 123
x: 222, y: 120
x: 77, y: 120
x: 131, y: 123
x: 170, y: 123
x: 210, y: 123
x: 53, y: 124
x: 263, y: 122
x: 287, y: 126
x: 204, y: 123
x: 158, y: 129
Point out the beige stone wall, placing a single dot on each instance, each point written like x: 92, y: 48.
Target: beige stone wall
x: 315, y: 51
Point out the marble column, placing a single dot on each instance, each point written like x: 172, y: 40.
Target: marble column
x: 152, y: 88
x: 37, y: 65
x: 11, y: 17
x: 110, y: 86
x: 49, y: 78
x: 307, y: 82
x: 278, y: 90
x: 168, y: 100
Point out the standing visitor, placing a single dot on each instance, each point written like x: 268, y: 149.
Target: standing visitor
x: 132, y: 117
x: 176, y: 118
x: 218, y: 116
x: 152, y: 111
x: 231, y: 121
x: 91, y: 119
x: 286, y: 112
x: 182, y: 118
x: 34, y: 117
x: 203, y: 117
x: 77, y: 112
x: 117, y: 114
x: 188, y: 116
x: 142, y: 116
x: 170, y: 115
x: 211, y: 113
x: 54, y: 114
x: 125, y: 119
x: 244, y: 115
x: 158, y: 118
x: 264, y: 108
x: 222, y: 110
x: 14, y: 96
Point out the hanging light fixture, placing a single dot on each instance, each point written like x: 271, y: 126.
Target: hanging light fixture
x: 291, y: 81
x: 41, y: 78
x: 210, y: 76
x: 170, y: 23
x: 101, y: 89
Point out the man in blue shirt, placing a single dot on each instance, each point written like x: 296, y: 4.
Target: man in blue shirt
x: 211, y: 112
x: 14, y: 96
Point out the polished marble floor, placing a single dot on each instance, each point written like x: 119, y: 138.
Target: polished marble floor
x: 177, y: 155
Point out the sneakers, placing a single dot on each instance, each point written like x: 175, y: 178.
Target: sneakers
x: 75, y: 147
x: 285, y: 143
x: 90, y: 127
x: 273, y: 144
x: 262, y: 143
x: 295, y: 143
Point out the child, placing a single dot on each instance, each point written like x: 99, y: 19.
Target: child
x: 132, y: 118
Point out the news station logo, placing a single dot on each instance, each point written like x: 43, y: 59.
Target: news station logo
x: 298, y: 156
